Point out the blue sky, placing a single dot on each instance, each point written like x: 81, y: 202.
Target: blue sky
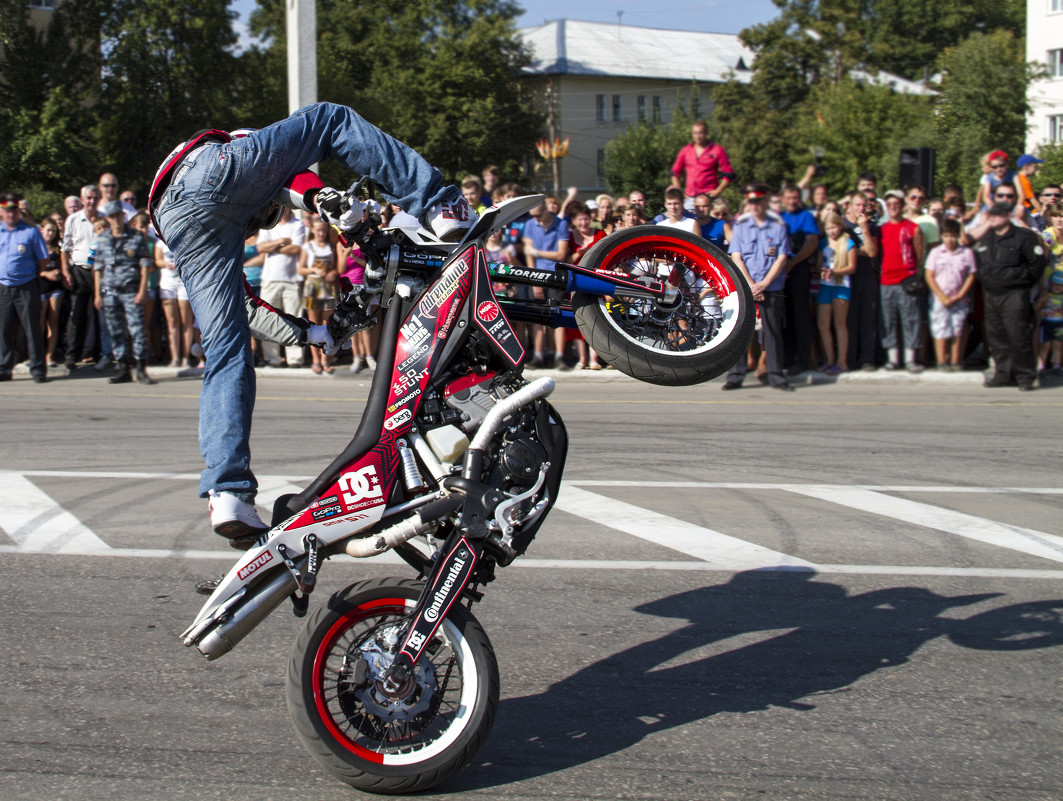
x: 718, y: 16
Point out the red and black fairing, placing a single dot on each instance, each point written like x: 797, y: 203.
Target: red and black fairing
x: 426, y: 339
x: 369, y: 479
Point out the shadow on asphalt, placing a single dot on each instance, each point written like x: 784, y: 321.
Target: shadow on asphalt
x: 835, y: 640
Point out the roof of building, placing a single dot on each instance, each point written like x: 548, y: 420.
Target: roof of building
x: 572, y: 47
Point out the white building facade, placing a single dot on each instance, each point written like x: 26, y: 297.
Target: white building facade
x: 1044, y: 45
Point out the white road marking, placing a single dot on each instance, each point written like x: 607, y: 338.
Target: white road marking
x: 1016, y: 538
x: 37, y: 523
x: 720, y: 550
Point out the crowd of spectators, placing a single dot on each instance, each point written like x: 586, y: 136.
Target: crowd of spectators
x: 897, y: 281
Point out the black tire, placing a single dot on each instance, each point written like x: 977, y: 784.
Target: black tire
x: 698, y: 342
x: 437, y: 731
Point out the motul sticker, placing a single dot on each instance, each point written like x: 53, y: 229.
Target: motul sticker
x: 487, y: 311
x: 253, y: 567
x: 397, y: 420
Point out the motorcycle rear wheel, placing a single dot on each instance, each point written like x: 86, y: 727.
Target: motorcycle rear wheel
x: 701, y: 337
x: 376, y: 743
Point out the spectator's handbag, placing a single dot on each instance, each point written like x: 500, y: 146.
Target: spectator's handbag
x: 914, y: 285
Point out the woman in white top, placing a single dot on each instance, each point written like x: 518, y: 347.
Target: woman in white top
x: 317, y: 262
x: 673, y: 210
x: 180, y: 322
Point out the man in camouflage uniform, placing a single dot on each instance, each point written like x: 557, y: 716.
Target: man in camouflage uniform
x: 121, y: 271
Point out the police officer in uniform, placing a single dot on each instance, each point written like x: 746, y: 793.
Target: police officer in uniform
x: 22, y: 254
x: 122, y: 265
x: 1011, y: 261
x: 760, y: 247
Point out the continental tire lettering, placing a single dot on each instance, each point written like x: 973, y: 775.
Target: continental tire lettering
x: 253, y: 567
x: 439, y: 597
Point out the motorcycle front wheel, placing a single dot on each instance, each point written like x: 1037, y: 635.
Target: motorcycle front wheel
x: 384, y: 742
x: 696, y: 336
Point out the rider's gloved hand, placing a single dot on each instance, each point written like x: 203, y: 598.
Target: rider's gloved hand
x: 339, y: 209
x: 320, y: 337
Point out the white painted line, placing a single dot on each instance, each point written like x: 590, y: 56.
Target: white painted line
x: 601, y: 564
x: 1002, y: 535
x: 726, y: 552
x: 745, y: 485
x: 38, y: 524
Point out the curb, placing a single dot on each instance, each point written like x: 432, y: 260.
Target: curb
x: 971, y: 377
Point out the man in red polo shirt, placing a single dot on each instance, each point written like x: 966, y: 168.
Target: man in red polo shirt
x: 704, y: 165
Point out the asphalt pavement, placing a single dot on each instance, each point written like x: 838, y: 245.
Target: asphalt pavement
x: 852, y: 591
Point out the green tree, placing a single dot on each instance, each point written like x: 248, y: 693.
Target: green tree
x: 982, y: 105
x: 640, y: 157
x: 859, y: 127
x: 48, y: 82
x: 440, y: 75
x: 169, y: 72
x: 903, y: 37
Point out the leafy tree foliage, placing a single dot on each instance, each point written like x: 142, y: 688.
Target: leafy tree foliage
x: 640, y: 158
x: 439, y: 75
x: 982, y: 106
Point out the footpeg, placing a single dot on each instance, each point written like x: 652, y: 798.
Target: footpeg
x: 305, y: 581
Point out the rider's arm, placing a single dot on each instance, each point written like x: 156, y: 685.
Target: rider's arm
x: 273, y: 325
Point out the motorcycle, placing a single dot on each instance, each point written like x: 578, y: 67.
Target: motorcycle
x: 392, y: 684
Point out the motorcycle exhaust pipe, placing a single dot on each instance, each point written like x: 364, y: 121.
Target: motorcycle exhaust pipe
x: 492, y: 422
x: 426, y: 519
x: 224, y: 637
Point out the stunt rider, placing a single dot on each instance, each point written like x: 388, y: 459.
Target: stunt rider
x: 214, y: 189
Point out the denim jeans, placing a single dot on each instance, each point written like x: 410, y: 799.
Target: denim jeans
x: 896, y: 302
x: 204, y: 217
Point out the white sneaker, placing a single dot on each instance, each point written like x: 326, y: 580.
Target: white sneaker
x: 450, y: 219
x: 232, y: 517
x: 371, y: 362
x: 357, y: 364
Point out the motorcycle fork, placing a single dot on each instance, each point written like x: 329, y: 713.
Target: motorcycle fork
x: 442, y: 588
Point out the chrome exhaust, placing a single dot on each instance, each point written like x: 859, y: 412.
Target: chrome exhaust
x: 223, y: 637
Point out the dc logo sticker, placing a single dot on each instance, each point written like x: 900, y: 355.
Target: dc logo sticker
x: 360, y: 484
x: 487, y: 311
x: 457, y: 210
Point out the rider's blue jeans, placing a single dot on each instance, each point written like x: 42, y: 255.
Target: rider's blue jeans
x: 204, y: 218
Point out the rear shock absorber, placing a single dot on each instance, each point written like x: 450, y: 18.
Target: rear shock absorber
x: 411, y: 473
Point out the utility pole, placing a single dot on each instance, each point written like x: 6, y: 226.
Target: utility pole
x: 301, y: 24
x: 551, y: 124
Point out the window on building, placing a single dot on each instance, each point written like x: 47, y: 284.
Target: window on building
x: 657, y: 116
x: 1055, y: 129
x: 600, y: 101
x: 1055, y: 63
x: 642, y: 108
x: 1055, y: 6
x: 601, y: 167
x: 618, y: 110
x: 48, y: 4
